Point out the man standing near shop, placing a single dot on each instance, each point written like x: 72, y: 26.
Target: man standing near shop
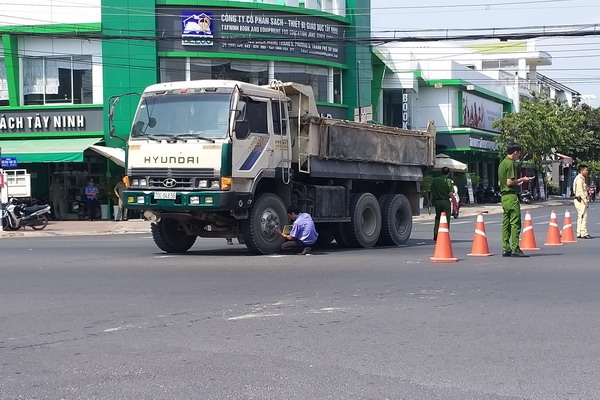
x: 441, y: 190
x: 57, y: 197
x: 582, y: 201
x: 91, y: 193
x: 511, y: 218
x: 119, y: 189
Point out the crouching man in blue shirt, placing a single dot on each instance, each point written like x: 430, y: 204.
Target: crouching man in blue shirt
x: 303, y: 234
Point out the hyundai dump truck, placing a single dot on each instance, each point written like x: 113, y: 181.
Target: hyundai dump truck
x: 224, y: 159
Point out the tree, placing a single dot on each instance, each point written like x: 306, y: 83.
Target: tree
x: 544, y: 126
x: 591, y: 123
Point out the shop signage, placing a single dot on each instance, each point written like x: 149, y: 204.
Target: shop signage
x: 196, y: 29
x: 53, y: 121
x: 483, y: 144
x: 406, y: 123
x: 251, y: 32
x: 9, y: 162
x: 478, y: 112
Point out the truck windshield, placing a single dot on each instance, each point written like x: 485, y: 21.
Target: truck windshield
x: 189, y: 115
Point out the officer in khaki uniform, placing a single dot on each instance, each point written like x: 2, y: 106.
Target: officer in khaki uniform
x: 581, y: 201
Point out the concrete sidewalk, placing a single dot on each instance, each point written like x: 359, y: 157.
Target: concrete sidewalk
x: 82, y: 228
x: 110, y: 227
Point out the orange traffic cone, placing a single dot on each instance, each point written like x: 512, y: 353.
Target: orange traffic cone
x: 443, y: 246
x: 567, y: 231
x: 553, y: 238
x: 528, y: 238
x: 480, y: 245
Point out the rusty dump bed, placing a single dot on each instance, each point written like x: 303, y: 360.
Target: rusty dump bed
x: 353, y: 141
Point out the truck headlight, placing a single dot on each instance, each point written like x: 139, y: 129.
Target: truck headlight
x: 215, y: 185
x: 140, y: 199
x: 194, y: 200
x: 203, y: 183
x: 143, y: 182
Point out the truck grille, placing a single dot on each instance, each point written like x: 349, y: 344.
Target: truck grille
x: 173, y: 178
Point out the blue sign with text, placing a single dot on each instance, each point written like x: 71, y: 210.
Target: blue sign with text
x: 9, y: 162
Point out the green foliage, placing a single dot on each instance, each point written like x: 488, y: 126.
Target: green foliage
x: 591, y: 123
x: 551, y: 188
x: 475, y: 180
x: 107, y: 189
x: 544, y: 126
x: 593, y: 166
x: 426, y: 184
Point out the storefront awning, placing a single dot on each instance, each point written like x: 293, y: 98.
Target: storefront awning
x: 116, y: 155
x: 47, y: 150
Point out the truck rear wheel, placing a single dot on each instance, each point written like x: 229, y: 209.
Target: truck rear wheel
x: 169, y: 236
x: 267, y: 213
x: 396, y: 220
x: 365, y: 227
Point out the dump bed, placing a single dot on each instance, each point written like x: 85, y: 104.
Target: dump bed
x: 345, y: 149
x: 325, y: 147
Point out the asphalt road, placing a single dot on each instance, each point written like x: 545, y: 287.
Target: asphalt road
x: 111, y: 317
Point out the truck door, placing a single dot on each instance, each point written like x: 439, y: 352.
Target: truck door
x: 252, y: 146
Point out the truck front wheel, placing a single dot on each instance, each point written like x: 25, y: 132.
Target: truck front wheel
x: 169, y: 236
x: 267, y: 214
x: 396, y: 220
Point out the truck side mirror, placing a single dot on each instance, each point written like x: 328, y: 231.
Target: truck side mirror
x: 242, y: 129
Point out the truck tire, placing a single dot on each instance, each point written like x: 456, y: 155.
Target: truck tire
x: 365, y: 227
x: 343, y: 236
x: 169, y: 236
x: 326, y: 234
x: 267, y: 213
x: 396, y: 215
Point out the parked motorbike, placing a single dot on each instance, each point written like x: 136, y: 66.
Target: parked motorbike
x: 17, y: 215
x: 526, y: 196
x: 81, y: 208
x: 487, y: 194
x: 455, y: 203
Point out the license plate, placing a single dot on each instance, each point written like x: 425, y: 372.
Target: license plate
x: 165, y: 195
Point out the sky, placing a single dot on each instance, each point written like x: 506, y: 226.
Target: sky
x: 575, y: 60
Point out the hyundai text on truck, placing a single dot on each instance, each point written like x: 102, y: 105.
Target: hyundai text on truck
x: 224, y: 159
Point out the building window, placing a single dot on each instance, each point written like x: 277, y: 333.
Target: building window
x: 57, y: 80
x: 255, y: 72
x: 3, y: 85
x: 397, y: 108
x: 172, y: 69
x: 316, y: 77
x: 337, y: 86
x: 182, y: 69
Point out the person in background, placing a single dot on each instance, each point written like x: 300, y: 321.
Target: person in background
x: 511, y: 217
x: 119, y: 188
x: 582, y: 201
x: 91, y: 193
x: 57, y: 197
x: 303, y: 234
x: 441, y: 190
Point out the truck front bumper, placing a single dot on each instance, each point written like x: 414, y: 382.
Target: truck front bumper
x: 186, y: 201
